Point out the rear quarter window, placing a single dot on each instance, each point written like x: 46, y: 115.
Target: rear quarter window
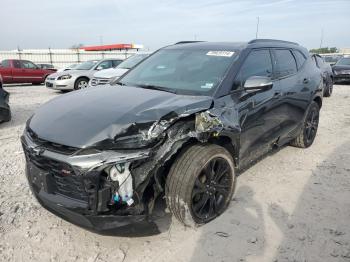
x: 300, y: 58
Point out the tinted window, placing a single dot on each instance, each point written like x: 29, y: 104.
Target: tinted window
x: 285, y: 62
x: 28, y: 65
x: 5, y: 63
x: 16, y: 64
x: 258, y: 63
x: 300, y: 58
x: 184, y: 71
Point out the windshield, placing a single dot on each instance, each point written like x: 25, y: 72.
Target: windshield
x: 132, y: 61
x: 344, y: 61
x: 86, y: 65
x: 182, y: 71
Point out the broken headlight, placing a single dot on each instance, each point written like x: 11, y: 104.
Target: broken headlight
x: 135, y: 142
x: 146, y: 138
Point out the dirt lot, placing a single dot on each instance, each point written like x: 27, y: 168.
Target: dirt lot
x: 292, y: 206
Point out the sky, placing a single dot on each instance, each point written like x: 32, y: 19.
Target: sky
x: 31, y: 24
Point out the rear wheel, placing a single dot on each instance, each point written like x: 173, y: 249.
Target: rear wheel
x: 200, y: 184
x: 329, y: 88
x: 309, y: 129
x: 81, y: 83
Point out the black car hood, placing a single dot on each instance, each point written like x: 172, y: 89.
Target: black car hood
x: 341, y: 67
x: 84, y: 118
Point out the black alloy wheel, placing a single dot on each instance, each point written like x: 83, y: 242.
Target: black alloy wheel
x: 211, y: 190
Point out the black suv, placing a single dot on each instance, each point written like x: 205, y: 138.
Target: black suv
x: 181, y: 124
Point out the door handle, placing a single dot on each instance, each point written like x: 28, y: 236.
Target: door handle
x: 306, y: 80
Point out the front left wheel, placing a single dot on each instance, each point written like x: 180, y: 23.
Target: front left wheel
x: 81, y: 83
x: 200, y: 184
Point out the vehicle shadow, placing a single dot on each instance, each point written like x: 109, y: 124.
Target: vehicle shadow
x: 307, y: 233
x: 159, y: 223
x: 240, y: 231
x: 248, y: 232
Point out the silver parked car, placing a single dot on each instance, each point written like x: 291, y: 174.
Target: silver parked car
x: 80, y: 76
x: 104, y: 77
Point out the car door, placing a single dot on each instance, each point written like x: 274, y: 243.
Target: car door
x: 18, y: 74
x: 258, y: 112
x: 6, y: 71
x: 32, y: 73
x: 294, y: 83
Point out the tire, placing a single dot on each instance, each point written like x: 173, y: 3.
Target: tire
x: 309, y: 129
x: 81, y: 83
x: 329, y: 88
x: 187, y: 175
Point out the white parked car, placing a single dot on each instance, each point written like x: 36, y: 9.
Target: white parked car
x: 80, y: 76
x: 104, y: 77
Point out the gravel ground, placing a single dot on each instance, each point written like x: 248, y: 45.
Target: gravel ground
x: 293, y: 205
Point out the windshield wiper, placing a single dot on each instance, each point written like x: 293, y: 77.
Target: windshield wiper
x: 154, y: 87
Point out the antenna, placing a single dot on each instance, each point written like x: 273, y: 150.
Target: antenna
x: 257, y: 27
x: 321, y: 41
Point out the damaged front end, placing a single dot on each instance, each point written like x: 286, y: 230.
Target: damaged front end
x: 114, y: 182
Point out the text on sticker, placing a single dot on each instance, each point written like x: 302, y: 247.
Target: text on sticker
x: 221, y: 53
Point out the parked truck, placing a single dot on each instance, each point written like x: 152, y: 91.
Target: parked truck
x: 23, y: 71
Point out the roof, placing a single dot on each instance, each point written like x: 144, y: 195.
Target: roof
x: 236, y: 46
x: 219, y: 46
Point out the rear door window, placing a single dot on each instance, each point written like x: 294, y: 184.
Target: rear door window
x: 16, y: 64
x: 285, y: 63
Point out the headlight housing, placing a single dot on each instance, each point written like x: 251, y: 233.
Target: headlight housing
x: 64, y: 77
x: 145, y: 138
x: 137, y: 141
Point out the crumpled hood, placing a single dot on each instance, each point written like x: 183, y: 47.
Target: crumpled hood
x: 74, y: 73
x: 86, y: 117
x: 111, y: 72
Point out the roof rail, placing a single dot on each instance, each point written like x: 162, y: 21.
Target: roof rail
x: 271, y: 40
x: 187, y: 42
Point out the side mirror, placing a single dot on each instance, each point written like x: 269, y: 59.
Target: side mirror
x: 99, y: 68
x: 258, y: 83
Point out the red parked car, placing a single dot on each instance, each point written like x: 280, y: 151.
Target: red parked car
x: 23, y: 71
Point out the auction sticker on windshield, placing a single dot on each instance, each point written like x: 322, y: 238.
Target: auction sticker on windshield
x: 220, y: 53
x: 207, y: 85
